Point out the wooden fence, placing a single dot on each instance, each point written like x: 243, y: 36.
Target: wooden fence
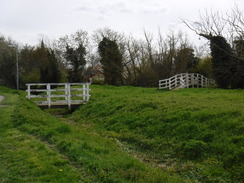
x: 185, y: 80
x: 47, y: 95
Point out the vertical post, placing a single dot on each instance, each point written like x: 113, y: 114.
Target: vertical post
x: 192, y: 80
x: 197, y: 81
x: 202, y: 81
x: 187, y: 80
x: 67, y: 86
x: 28, y: 91
x: 66, y: 91
x: 169, y: 84
x: 49, y: 95
x: 87, y: 91
x: 84, y: 92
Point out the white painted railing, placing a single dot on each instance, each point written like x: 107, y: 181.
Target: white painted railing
x: 44, y: 94
x: 185, y: 80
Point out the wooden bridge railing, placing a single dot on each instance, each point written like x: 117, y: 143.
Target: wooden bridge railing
x: 65, y: 94
x: 185, y: 80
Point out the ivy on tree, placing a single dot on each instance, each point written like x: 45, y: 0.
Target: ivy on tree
x: 111, y: 60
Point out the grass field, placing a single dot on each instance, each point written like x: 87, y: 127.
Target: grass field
x: 126, y: 134
x: 195, y: 133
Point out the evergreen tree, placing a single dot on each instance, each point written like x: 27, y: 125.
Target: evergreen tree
x: 55, y: 74
x: 223, y: 60
x: 111, y: 60
x: 7, y: 63
x: 47, y: 63
x: 7, y: 69
x: 185, y: 60
x: 76, y: 60
x: 238, y: 77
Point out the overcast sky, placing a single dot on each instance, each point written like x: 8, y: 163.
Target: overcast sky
x: 28, y: 21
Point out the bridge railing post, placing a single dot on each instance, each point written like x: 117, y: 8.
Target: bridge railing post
x: 66, y: 91
x: 28, y: 91
x: 49, y: 95
x: 68, y: 94
x: 187, y: 80
x: 85, y: 92
x: 169, y: 84
x: 202, y: 81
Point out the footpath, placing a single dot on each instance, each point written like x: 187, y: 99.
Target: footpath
x: 1, y: 99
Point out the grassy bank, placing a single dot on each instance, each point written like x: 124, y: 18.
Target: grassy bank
x: 23, y: 157
x: 41, y: 148
x: 126, y: 134
x: 196, y: 133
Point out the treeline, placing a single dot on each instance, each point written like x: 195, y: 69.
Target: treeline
x: 126, y: 60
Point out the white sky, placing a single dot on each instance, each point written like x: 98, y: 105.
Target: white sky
x: 28, y: 21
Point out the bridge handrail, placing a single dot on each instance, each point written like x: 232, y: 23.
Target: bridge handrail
x: 84, y: 89
x: 185, y: 80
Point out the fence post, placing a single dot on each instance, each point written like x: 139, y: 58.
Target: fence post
x: 202, y: 81
x: 169, y: 84
x: 68, y: 94
x: 88, y: 90
x: 84, y: 92
x: 28, y: 91
x: 187, y: 80
x: 49, y: 95
x: 198, y: 82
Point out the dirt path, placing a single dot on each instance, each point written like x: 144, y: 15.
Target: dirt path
x: 1, y: 99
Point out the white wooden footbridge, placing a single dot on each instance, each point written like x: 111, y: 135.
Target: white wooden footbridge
x: 185, y: 80
x: 58, y: 95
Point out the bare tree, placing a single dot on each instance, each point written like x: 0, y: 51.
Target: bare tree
x: 225, y: 33
x: 235, y: 19
x: 229, y: 25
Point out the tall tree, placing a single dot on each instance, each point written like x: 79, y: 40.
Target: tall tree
x: 111, y: 60
x: 73, y: 53
x: 223, y: 31
x: 7, y: 63
x: 55, y: 74
x: 185, y: 60
x: 223, y: 60
x: 76, y: 60
x: 44, y: 59
x: 238, y: 77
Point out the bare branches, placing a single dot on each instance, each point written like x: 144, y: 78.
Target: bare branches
x: 228, y: 25
x: 210, y: 23
x: 236, y: 21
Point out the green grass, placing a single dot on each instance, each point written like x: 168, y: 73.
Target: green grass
x: 126, y: 134
x: 196, y: 133
x: 44, y: 145
x: 23, y: 157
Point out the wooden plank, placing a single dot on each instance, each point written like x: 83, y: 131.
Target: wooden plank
x: 37, y: 96
x: 37, y: 90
